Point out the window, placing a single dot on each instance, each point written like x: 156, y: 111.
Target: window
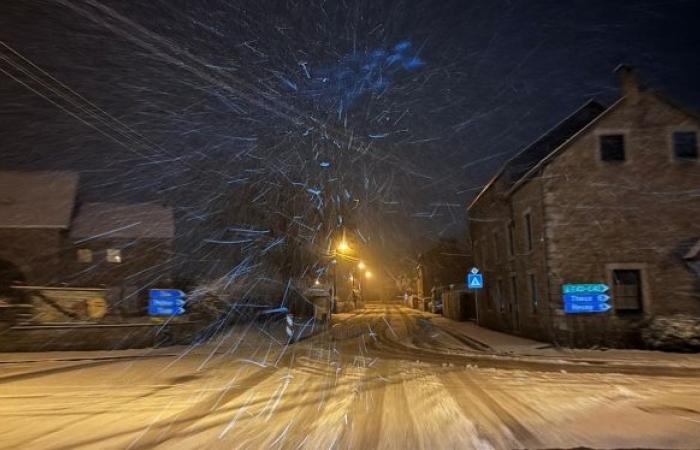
x: 84, y: 255
x: 499, y: 296
x: 496, y: 248
x: 514, y: 299
x: 685, y: 145
x: 528, y: 231
x: 477, y: 254
x: 612, y: 147
x: 511, y: 238
x: 114, y: 255
x: 627, y: 290
x: 532, y: 287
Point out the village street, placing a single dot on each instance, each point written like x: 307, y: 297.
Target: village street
x: 382, y: 377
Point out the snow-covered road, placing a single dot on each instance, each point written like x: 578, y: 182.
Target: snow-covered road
x: 382, y: 377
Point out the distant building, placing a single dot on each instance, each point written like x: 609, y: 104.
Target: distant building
x: 446, y: 263
x: 48, y: 238
x: 121, y: 244
x: 609, y: 195
x: 36, y: 209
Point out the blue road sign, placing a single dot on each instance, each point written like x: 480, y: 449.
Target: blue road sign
x: 586, y: 308
x: 584, y: 288
x: 165, y: 311
x: 166, y: 293
x: 586, y: 298
x: 167, y: 303
x: 475, y: 281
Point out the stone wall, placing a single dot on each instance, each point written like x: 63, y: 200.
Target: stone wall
x: 642, y: 213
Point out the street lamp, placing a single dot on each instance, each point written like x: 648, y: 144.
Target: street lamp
x: 361, y: 265
x: 343, y: 246
x: 368, y: 274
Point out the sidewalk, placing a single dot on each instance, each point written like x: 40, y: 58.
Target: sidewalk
x: 508, y: 345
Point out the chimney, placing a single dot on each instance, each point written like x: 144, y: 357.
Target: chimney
x: 629, y: 87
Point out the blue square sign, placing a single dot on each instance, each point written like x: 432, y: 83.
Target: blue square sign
x: 475, y: 281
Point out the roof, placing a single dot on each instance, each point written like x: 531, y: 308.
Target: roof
x: 517, y: 168
x: 521, y: 163
x: 38, y: 199
x: 115, y: 220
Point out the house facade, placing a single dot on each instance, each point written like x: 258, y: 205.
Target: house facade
x: 48, y: 238
x: 36, y: 210
x: 610, y: 195
x: 446, y: 263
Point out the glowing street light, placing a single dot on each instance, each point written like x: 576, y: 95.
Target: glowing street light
x: 343, y: 246
x: 361, y: 265
x: 368, y: 274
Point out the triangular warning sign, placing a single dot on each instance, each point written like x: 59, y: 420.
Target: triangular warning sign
x: 475, y: 282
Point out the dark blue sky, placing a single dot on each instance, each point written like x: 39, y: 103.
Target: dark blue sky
x: 493, y: 75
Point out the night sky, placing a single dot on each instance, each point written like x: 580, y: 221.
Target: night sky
x: 416, y: 103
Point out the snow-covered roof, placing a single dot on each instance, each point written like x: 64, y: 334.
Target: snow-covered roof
x: 116, y: 220
x: 37, y: 199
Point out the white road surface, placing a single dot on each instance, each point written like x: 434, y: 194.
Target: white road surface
x: 384, y: 377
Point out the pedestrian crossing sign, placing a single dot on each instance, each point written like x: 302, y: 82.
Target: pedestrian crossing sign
x: 475, y: 281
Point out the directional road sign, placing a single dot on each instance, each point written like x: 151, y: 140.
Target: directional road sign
x: 586, y: 308
x: 166, y: 302
x: 166, y: 293
x: 586, y: 298
x: 584, y: 288
x: 163, y: 311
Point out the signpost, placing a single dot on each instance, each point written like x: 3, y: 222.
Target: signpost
x: 586, y: 298
x: 475, y: 281
x: 166, y: 302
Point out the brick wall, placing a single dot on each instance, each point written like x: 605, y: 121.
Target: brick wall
x: 642, y: 213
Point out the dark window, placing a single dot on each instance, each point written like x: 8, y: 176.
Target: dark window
x: 528, y: 231
x: 477, y: 252
x: 499, y: 297
x: 515, y: 309
x: 485, y: 252
x: 685, y: 145
x: 514, y: 288
x: 612, y: 147
x: 496, y: 248
x: 532, y: 287
x: 627, y: 291
x: 511, y: 238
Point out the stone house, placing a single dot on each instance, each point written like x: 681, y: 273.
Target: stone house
x: 36, y: 209
x: 128, y: 247
x: 609, y: 195
x: 48, y: 238
x: 446, y: 263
